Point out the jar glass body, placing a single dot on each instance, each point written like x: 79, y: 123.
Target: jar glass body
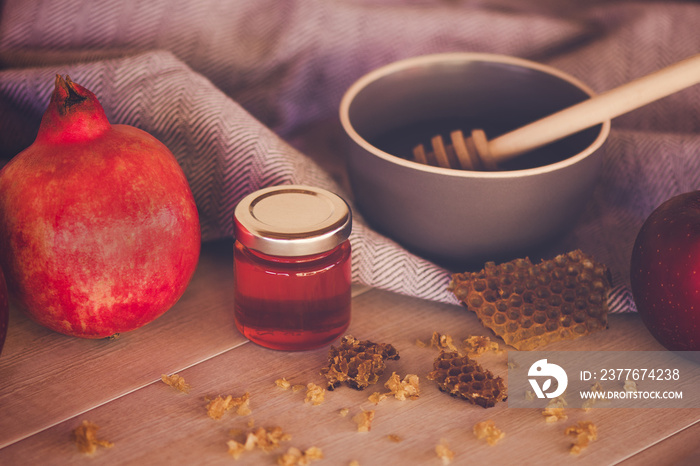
x: 292, y: 303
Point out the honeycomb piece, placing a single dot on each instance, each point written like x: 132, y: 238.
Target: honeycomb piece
x: 463, y: 377
x: 529, y: 305
x: 357, y: 363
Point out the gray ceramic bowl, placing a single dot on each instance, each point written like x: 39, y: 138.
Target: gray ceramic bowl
x: 456, y: 216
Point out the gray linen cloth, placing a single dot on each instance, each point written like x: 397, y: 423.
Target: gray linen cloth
x: 244, y: 91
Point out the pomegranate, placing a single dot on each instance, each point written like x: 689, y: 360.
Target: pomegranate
x: 4, y: 310
x: 665, y: 273
x: 99, y: 232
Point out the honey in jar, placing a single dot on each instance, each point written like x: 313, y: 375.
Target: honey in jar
x: 292, y: 267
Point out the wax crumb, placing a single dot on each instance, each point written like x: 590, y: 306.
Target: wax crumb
x: 441, y: 341
x: 177, y: 382
x: 315, y: 394
x: 85, y: 436
x: 219, y: 405
x: 555, y: 410
x: 408, y: 388
x: 376, y: 397
x: 364, y: 420
x: 283, y: 383
x: 585, y: 432
x: 265, y: 439
x: 296, y: 457
x: 488, y: 430
x: 478, y: 345
x: 442, y: 450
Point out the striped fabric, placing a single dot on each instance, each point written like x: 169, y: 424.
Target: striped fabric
x: 225, y: 84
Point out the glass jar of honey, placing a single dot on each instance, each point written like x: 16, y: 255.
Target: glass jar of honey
x: 292, y: 267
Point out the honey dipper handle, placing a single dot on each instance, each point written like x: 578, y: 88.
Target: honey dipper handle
x: 597, y: 109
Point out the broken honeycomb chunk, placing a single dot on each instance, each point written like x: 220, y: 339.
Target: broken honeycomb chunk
x: 357, y: 363
x: 529, y: 305
x: 463, y: 377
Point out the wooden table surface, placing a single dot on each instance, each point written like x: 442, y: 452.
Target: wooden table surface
x: 50, y: 383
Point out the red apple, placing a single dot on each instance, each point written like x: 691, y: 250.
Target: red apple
x: 665, y: 272
x: 99, y: 232
x: 4, y: 310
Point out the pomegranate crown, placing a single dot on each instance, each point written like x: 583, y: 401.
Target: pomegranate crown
x: 74, y: 114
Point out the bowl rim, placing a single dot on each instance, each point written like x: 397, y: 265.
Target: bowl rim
x: 400, y: 65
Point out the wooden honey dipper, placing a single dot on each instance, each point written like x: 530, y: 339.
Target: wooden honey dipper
x: 476, y: 152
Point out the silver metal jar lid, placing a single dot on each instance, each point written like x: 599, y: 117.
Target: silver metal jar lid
x: 292, y: 220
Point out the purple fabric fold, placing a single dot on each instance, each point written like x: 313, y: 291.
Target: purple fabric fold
x: 235, y: 90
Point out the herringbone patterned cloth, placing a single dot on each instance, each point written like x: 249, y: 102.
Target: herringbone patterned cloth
x: 224, y: 84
